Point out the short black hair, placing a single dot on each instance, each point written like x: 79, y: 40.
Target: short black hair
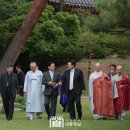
x: 50, y: 63
x: 18, y: 66
x: 112, y: 65
x: 73, y: 62
x: 10, y: 66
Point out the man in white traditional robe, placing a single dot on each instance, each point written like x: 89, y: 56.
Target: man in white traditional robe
x: 33, y: 90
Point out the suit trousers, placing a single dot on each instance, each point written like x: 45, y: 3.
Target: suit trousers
x: 50, y: 104
x: 8, y: 102
x: 74, y: 98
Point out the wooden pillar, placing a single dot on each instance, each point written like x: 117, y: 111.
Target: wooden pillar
x: 90, y: 53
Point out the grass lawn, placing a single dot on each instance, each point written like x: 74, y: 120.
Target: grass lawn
x: 21, y: 123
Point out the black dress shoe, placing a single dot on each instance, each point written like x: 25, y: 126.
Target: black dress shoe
x: 116, y: 118
x: 39, y: 117
x: 9, y: 119
x: 104, y: 118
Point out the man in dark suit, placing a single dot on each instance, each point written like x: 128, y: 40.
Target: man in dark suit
x: 21, y: 78
x: 9, y: 88
x: 51, y: 80
x: 74, y: 80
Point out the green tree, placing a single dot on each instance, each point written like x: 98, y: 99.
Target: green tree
x: 114, y: 16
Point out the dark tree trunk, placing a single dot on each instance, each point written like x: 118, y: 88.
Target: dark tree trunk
x: 61, y: 5
x: 23, y: 33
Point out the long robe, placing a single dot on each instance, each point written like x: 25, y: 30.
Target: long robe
x: 95, y: 75
x: 103, y: 99
x: 34, y: 88
x: 123, y: 101
x: 92, y: 77
x: 127, y: 96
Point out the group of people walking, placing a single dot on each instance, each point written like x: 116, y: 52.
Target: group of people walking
x: 41, y: 89
x: 109, y: 93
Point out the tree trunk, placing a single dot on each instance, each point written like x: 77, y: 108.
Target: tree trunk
x: 23, y: 33
x: 61, y: 5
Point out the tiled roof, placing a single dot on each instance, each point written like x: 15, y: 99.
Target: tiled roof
x: 76, y: 3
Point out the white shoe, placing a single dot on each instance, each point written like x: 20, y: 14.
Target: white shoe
x: 122, y: 119
x: 30, y: 118
x: 123, y: 113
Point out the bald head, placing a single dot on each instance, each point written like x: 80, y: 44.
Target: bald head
x: 97, y: 66
x: 119, y: 69
x: 33, y: 66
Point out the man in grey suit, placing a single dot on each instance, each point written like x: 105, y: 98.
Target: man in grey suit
x: 51, y: 80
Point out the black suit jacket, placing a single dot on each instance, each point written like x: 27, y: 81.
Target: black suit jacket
x: 14, y: 84
x: 47, y: 78
x: 109, y: 74
x: 78, y: 81
x: 21, y: 78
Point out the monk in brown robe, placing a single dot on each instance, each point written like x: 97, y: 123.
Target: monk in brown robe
x: 101, y: 96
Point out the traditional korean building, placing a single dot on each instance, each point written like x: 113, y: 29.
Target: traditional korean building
x: 69, y: 5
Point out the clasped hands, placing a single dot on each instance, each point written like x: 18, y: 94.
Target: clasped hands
x: 121, y: 87
x: 54, y: 84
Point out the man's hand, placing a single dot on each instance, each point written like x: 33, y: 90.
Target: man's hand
x: 56, y: 85
x: 60, y: 83
x: 121, y: 86
x: 51, y: 83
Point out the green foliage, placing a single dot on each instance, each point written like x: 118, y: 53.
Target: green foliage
x: 105, y: 44
x: 70, y: 24
x: 20, y: 103
x: 55, y: 36
x: 12, y: 13
x: 113, y: 14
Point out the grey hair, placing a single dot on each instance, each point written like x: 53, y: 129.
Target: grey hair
x: 33, y: 63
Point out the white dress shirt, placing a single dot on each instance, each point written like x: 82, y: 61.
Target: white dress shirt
x: 71, y: 85
x: 51, y: 74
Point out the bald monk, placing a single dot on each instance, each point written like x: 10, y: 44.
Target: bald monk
x: 122, y: 102
x: 100, y: 92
